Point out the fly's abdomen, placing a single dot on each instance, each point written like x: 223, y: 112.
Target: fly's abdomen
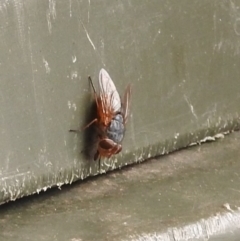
x: 115, y: 131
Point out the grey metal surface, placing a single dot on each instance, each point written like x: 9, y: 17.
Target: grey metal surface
x: 182, y: 59
x: 189, y: 195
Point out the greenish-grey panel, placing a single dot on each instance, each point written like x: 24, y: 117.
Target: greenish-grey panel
x: 182, y: 59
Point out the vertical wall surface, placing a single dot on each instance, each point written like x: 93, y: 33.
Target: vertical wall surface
x: 182, y: 58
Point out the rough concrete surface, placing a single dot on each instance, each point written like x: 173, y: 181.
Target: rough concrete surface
x: 189, y: 194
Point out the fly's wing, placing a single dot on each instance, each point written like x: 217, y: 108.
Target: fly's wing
x: 110, y: 99
x: 126, y: 102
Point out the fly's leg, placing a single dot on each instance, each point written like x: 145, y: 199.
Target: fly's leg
x: 99, y: 165
x: 90, y: 80
x: 76, y: 131
x: 85, y: 127
x: 89, y: 124
x: 94, y: 90
x: 96, y: 99
x: 97, y: 156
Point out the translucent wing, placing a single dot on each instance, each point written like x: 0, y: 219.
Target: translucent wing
x: 111, y: 102
x: 126, y: 102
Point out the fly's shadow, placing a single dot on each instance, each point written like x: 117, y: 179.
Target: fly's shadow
x: 89, y: 133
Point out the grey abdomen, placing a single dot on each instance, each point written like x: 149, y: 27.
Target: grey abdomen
x: 115, y: 131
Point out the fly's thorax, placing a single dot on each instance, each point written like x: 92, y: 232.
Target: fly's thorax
x: 115, y: 130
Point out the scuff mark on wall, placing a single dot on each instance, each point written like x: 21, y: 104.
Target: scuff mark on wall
x: 237, y: 26
x: 19, y: 12
x: 70, y: 8
x: 74, y: 74
x: 89, y: 39
x: 72, y: 105
x: 51, y: 14
x: 133, y: 136
x: 46, y: 66
x: 210, y: 138
x: 74, y: 58
x: 15, y: 176
x: 191, y: 107
x: 89, y: 3
x: 235, y: 15
x: 39, y: 112
x: 91, y: 42
x: 229, y: 14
